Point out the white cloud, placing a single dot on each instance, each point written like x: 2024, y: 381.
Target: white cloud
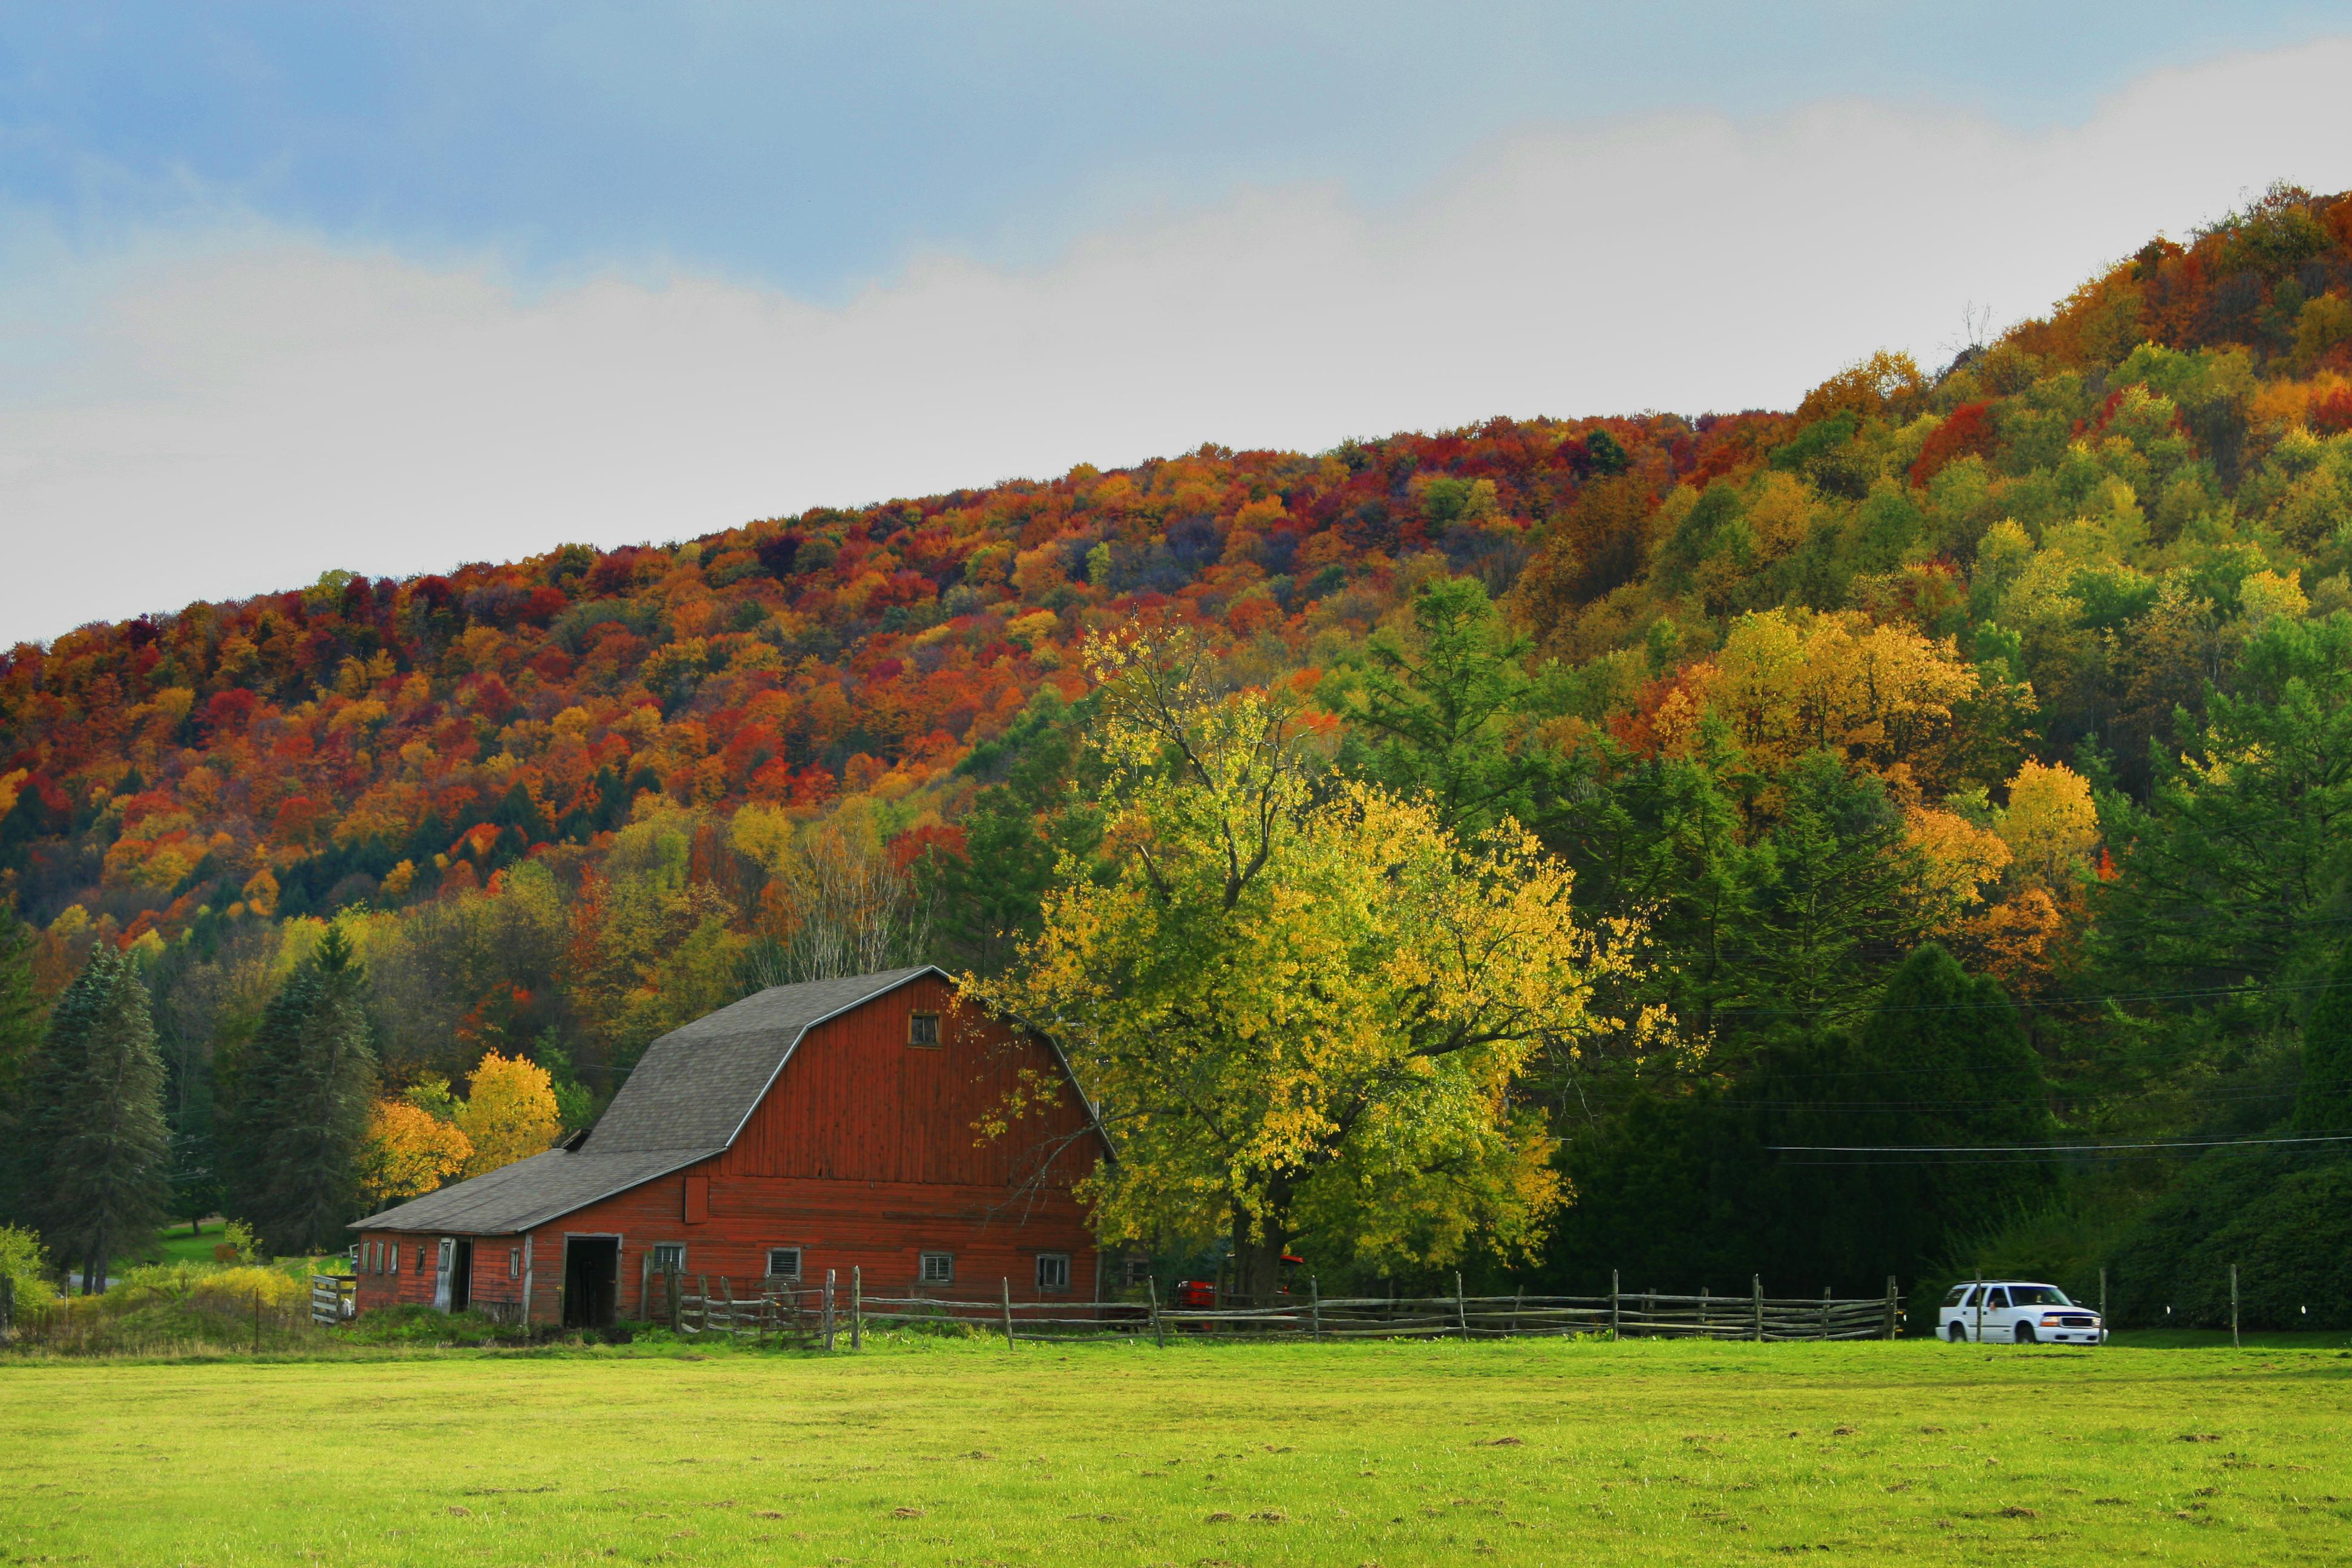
x: 235, y: 412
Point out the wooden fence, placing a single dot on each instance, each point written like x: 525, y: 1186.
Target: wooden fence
x: 332, y: 1299
x: 788, y: 1312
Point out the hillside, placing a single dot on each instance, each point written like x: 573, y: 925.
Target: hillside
x: 575, y: 799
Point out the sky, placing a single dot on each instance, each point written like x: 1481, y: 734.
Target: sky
x: 290, y: 288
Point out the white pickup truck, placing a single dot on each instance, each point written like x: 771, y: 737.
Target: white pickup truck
x: 2017, y: 1312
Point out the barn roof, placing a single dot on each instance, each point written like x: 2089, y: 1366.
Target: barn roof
x: 698, y: 1085
x: 687, y: 1099
x: 530, y: 1192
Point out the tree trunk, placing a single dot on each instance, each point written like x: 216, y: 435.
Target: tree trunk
x: 1257, y: 1258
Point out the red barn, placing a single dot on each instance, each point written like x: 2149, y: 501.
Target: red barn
x: 809, y: 1127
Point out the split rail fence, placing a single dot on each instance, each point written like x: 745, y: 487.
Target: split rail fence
x: 788, y: 1312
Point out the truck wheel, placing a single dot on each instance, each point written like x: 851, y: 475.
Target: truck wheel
x: 2023, y: 1334
x: 1959, y: 1335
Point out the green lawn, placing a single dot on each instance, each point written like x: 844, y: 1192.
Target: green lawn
x: 1538, y: 1452
x: 174, y: 1245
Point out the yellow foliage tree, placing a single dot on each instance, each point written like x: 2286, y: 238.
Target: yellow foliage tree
x: 2051, y: 826
x: 1956, y: 859
x: 509, y: 1114
x: 1884, y: 694
x: 1300, y: 1014
x: 408, y: 1152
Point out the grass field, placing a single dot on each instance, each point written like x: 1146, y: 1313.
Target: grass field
x: 1535, y: 1452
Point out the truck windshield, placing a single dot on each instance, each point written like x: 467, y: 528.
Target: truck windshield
x: 2038, y: 1296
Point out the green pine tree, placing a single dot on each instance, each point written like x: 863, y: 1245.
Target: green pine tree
x: 2324, y: 1104
x: 1841, y: 888
x: 291, y: 1138
x: 1942, y: 1062
x: 20, y: 1004
x: 93, y: 1139
x: 20, y: 1037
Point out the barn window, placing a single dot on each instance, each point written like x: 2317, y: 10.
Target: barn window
x: 670, y: 1258
x: 923, y: 1029
x: 783, y: 1263
x: 514, y: 1262
x: 396, y: 1258
x: 939, y: 1268
x: 1053, y: 1271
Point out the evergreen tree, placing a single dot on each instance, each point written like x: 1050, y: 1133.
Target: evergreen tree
x: 292, y: 1136
x: 1437, y: 710
x: 1689, y: 1188
x: 2324, y: 1104
x: 1840, y: 904
x: 20, y: 1004
x: 20, y: 1037
x: 93, y: 1141
x: 1941, y: 1062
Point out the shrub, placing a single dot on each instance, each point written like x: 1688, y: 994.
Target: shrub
x: 2286, y: 1223
x: 26, y: 1266
x: 238, y: 1290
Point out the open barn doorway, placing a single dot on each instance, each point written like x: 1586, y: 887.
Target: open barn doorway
x: 591, y: 1276
x: 461, y: 1276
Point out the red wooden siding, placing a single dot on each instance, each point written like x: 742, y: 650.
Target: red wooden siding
x: 857, y: 1102
x: 863, y: 1154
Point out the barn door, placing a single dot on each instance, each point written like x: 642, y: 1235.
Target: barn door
x: 441, y: 1275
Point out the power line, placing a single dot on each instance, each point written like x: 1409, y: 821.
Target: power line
x: 2045, y: 1149
x: 2006, y: 1002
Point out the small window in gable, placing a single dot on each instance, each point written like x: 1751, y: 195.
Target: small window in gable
x: 783, y: 1263
x: 939, y: 1268
x: 923, y: 1029
x: 1053, y: 1271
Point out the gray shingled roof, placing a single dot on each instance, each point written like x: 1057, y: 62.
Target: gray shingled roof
x: 687, y: 1099
x: 530, y: 1192
x: 698, y: 1084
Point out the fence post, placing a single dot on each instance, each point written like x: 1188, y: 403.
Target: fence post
x: 2235, y: 1344
x: 1890, y: 1306
x: 828, y: 1309
x: 1158, y: 1330
x: 1978, y: 1296
x: 1613, y: 1304
x: 2103, y: 1299
x: 1519, y: 1300
x: 1825, y: 1311
x: 7, y: 1304
x: 670, y: 1292
x: 856, y: 1307
x: 1006, y: 1284
x: 1314, y: 1308
x: 1756, y: 1288
x: 726, y: 1294
x: 1461, y: 1308
x: 704, y: 1281
x: 1705, y: 1333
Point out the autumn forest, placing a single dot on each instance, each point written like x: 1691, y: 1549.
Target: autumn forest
x: 1956, y: 767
